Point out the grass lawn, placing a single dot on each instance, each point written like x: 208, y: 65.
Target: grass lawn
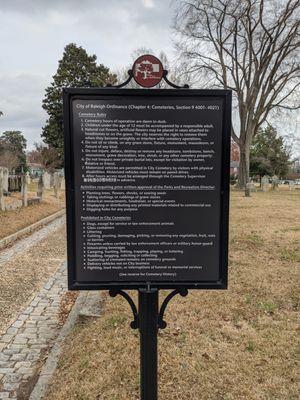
x: 242, y: 343
x: 13, y: 221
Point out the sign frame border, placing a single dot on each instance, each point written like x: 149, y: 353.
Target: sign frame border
x: 70, y: 94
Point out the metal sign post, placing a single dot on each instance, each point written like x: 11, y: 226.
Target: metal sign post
x: 147, y: 185
x: 148, y: 325
x: 148, y: 319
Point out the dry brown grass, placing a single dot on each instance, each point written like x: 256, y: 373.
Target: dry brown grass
x: 13, y: 221
x: 219, y: 345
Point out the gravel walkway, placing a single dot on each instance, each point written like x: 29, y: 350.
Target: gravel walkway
x: 33, y: 281
x: 27, y: 269
x: 26, y: 341
x: 24, y: 244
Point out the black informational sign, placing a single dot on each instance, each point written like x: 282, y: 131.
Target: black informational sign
x: 147, y: 187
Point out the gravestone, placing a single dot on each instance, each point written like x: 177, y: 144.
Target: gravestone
x: 5, y: 179
x: 47, y: 180
x: 1, y: 190
x: 250, y: 186
x: 62, y: 183
x: 28, y: 178
x: 56, y: 184
x: 15, y: 205
x: 291, y: 185
x: 51, y: 180
x: 40, y: 190
x: 264, y: 183
x: 14, y: 183
x: 275, y: 182
x: 24, y: 189
x: 34, y: 200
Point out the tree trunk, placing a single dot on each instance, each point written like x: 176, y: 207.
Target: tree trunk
x: 244, y: 177
x: 242, y: 172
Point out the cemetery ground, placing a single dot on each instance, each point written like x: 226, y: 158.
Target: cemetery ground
x: 242, y: 343
x: 14, y: 220
x: 23, y: 274
x: 29, y: 260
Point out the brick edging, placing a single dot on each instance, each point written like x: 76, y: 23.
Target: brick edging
x: 22, y: 232
x: 49, y: 367
x: 33, y: 332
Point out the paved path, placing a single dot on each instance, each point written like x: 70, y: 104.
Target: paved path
x: 29, y: 336
x: 23, y: 244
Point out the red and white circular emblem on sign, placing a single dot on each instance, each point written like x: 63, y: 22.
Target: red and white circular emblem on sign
x: 147, y: 70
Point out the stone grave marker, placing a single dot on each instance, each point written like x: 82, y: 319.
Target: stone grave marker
x: 47, y: 180
x: 24, y: 190
x: 62, y: 183
x: 56, y: 184
x: 250, y: 186
x: 2, y: 207
x: 275, y: 182
x: 264, y: 183
x: 28, y: 178
x: 40, y: 189
x: 5, y: 179
x: 291, y: 185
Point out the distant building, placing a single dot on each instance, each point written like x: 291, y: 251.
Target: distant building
x: 234, y: 158
x: 293, y: 176
x: 35, y: 169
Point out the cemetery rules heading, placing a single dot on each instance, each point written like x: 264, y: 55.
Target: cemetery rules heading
x: 147, y: 187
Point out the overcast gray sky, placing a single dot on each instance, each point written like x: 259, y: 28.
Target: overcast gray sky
x: 35, y: 32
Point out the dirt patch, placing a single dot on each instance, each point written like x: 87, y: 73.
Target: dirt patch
x: 13, y: 221
x: 66, y: 303
x: 26, y: 387
x: 242, y: 343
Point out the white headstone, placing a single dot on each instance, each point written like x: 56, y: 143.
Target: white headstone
x: 40, y: 189
x: 275, y: 182
x: 56, y: 183
x: 264, y: 183
x: 28, y: 178
x: 24, y: 190
x: 1, y: 190
x: 251, y: 187
x: 63, y: 183
x: 47, y: 180
x: 291, y: 185
x: 5, y: 179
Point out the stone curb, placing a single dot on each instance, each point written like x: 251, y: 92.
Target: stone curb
x: 52, y: 360
x: 32, y: 332
x: 15, y: 236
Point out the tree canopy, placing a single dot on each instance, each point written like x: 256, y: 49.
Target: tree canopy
x: 75, y: 69
x: 250, y: 47
x: 269, y: 154
x: 13, y: 151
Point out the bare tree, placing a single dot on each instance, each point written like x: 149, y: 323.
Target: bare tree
x: 250, y: 47
x: 9, y: 160
x: 45, y: 155
x: 8, y: 157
